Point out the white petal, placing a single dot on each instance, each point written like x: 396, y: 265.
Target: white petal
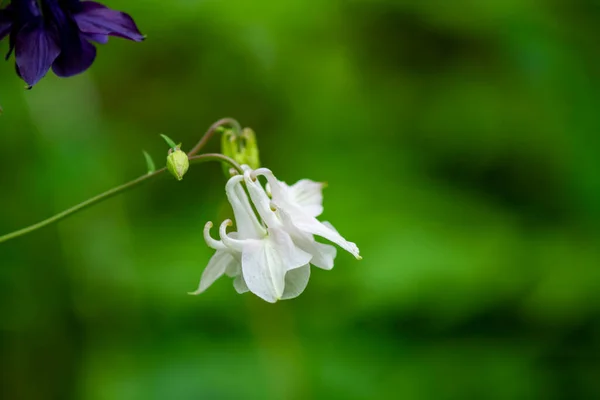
x: 280, y: 191
x: 239, y: 284
x: 295, y: 282
x: 277, y: 188
x: 245, y: 219
x: 265, y: 262
x: 293, y: 256
x: 305, y: 197
x: 234, y: 269
x: 261, y: 201
x: 218, y: 264
x: 263, y: 270
x: 322, y: 254
x: 329, y: 225
x: 313, y: 226
x: 308, y: 195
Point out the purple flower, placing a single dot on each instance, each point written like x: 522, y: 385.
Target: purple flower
x: 57, y: 34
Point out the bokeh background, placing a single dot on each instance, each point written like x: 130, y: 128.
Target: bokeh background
x: 460, y: 141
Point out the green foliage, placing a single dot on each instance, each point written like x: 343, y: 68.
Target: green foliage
x: 150, y: 166
x: 169, y: 141
x: 460, y: 145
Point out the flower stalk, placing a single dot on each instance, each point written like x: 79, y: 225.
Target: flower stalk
x: 235, y: 125
x: 114, y: 191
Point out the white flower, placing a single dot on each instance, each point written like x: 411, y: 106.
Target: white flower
x: 271, y: 258
x: 296, y: 207
x: 262, y: 260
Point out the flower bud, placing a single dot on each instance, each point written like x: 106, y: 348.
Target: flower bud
x: 177, y: 163
x: 251, y: 155
x: 242, y: 148
x: 229, y: 145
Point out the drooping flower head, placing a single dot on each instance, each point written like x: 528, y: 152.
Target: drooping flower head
x: 270, y: 254
x: 56, y: 34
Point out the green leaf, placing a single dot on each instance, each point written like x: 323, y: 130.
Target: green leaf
x: 169, y: 141
x: 149, y: 162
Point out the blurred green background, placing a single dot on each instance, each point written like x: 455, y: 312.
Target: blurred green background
x: 460, y: 141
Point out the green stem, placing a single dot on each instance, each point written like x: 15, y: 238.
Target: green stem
x: 211, y: 131
x: 112, y: 192
x: 81, y: 206
x: 217, y: 157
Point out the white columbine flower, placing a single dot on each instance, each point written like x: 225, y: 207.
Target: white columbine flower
x: 262, y: 260
x: 271, y: 259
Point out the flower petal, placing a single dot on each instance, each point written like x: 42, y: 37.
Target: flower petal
x: 96, y: 37
x: 239, y: 284
x: 247, y: 224
x: 261, y: 201
x: 36, y: 49
x: 293, y: 257
x: 308, y: 195
x: 296, y: 281
x: 305, y: 196
x: 263, y: 270
x: 322, y: 254
x: 95, y: 18
x: 220, y: 262
x: 5, y: 22
x: 74, y: 57
x: 234, y: 269
x: 313, y: 226
x: 265, y: 263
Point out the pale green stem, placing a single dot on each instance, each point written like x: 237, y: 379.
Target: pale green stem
x: 112, y: 192
x: 211, y: 131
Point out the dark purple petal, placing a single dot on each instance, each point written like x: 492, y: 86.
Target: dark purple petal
x: 95, y: 18
x: 74, y: 58
x: 5, y: 23
x: 35, y: 51
x: 102, y: 39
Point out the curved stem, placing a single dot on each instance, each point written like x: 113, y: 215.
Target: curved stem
x: 217, y: 157
x: 112, y: 192
x: 211, y: 131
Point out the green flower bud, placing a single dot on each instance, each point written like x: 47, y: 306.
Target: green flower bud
x: 229, y: 143
x: 242, y: 148
x: 177, y: 163
x: 250, y: 151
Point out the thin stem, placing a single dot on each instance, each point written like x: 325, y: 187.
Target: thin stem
x: 81, y: 206
x: 217, y: 157
x: 112, y: 192
x: 211, y: 131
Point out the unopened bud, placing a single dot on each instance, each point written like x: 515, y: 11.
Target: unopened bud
x: 242, y: 148
x: 177, y: 163
x: 251, y: 155
x: 229, y: 145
